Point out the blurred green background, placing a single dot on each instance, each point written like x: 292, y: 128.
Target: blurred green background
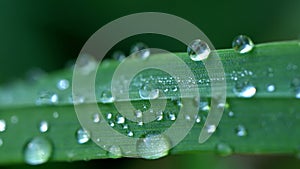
x: 47, y: 34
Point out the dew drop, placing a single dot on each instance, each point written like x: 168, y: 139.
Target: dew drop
x: 224, y: 149
x: 37, y: 151
x: 120, y: 120
x: 130, y: 134
x: 2, y: 125
x: 231, y: 114
x: 198, y: 119
x: 83, y: 136
x: 241, y: 131
x: 140, y: 50
x: 242, y: 44
x: 55, y: 115
x: 296, y: 87
x: 47, y: 97
x: 63, y: 84
x: 14, y: 119
x: 114, y: 151
x: 148, y: 92
x: 96, y: 118
x: 1, y: 142
x: 198, y: 50
x: 244, y: 90
x: 211, y: 128
x: 109, y: 116
x: 77, y: 100
x: 159, y: 115
x: 172, y: 116
x: 118, y: 55
x: 43, y: 127
x: 271, y: 88
x: 153, y: 146
x: 106, y: 97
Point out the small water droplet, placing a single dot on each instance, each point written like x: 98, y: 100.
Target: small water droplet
x: 37, y: 151
x: 153, y: 146
x: 112, y: 124
x: 2, y: 125
x: 159, y: 115
x: 296, y: 87
x: 47, y: 97
x: 231, y: 114
x: 118, y: 55
x: 130, y: 134
x: 96, y: 118
x: 140, y: 50
x: 106, y: 97
x: 172, y: 116
x: 109, y: 116
x: 147, y: 91
x: 125, y: 126
x: 224, y: 149
x: 198, y: 119
x: 83, y: 136
x: 114, y: 151
x: 271, y: 88
x: 242, y: 44
x: 77, y: 99
x: 120, y: 120
x: 55, y: 115
x: 43, y: 127
x: 63, y: 84
x: 1, y: 142
x: 211, y: 128
x: 198, y: 50
x: 14, y: 119
x: 245, y: 90
x: 241, y: 131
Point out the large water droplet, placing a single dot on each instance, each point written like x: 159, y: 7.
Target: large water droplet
x: 37, y: 151
x: 224, y: 149
x: 43, y: 127
x: 140, y: 50
x: 83, y: 136
x: 153, y: 146
x: 2, y: 125
x: 242, y: 44
x: 63, y: 84
x: 119, y: 56
x: 198, y: 50
x: 245, y: 90
x: 148, y: 92
x: 241, y: 131
x: 106, y: 97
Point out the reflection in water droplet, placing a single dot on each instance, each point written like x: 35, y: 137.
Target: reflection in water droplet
x: 140, y: 50
x: 2, y: 125
x: 148, y: 92
x: 114, y: 151
x: 244, y: 90
x: 63, y: 84
x: 83, y: 136
x: 153, y: 146
x: 96, y: 118
x: 198, y: 50
x: 242, y: 44
x: 43, y: 126
x: 119, y: 56
x: 106, y: 97
x: 224, y: 149
x: 241, y: 131
x: 211, y: 129
x: 37, y: 151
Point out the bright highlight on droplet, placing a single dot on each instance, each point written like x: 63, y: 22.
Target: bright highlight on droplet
x: 198, y: 50
x: 242, y: 44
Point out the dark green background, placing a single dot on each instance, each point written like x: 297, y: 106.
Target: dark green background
x: 46, y: 34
